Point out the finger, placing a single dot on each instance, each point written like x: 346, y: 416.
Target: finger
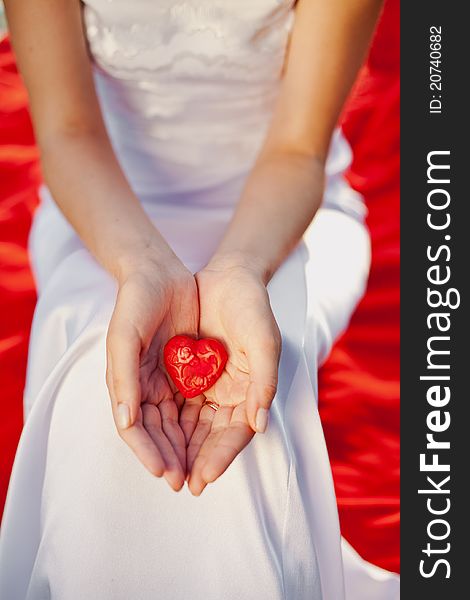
x: 135, y: 436
x: 140, y: 442
x: 263, y: 362
x: 172, y: 430
x: 234, y: 438
x: 190, y: 415
x: 179, y: 399
x: 220, y: 422
x: 122, y: 371
x: 201, y: 431
x: 173, y: 471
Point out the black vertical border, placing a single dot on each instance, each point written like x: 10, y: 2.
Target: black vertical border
x: 422, y: 132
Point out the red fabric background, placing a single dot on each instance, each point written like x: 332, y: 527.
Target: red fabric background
x: 18, y: 177
x: 359, y: 385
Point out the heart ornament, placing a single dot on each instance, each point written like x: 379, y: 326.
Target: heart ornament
x: 194, y: 365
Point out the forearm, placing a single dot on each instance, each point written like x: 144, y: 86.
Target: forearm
x: 280, y: 199
x: 281, y: 196
x: 79, y: 164
x: 329, y: 42
x: 91, y: 190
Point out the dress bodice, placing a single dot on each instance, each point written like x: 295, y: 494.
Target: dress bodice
x: 203, y: 41
x: 187, y: 91
x: 187, y: 88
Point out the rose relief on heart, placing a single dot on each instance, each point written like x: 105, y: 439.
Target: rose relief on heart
x: 194, y: 365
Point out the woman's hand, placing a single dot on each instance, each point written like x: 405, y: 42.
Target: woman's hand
x: 157, y: 299
x: 234, y: 308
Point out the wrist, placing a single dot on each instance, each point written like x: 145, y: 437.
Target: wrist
x: 236, y: 260
x: 148, y: 254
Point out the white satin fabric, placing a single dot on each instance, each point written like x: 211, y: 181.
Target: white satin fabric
x: 187, y: 89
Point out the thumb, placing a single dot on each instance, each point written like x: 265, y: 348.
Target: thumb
x: 122, y: 372
x: 263, y: 363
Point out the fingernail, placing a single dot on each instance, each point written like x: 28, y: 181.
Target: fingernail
x: 123, y: 416
x: 261, y: 421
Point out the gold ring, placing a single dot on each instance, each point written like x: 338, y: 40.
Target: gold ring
x: 212, y: 405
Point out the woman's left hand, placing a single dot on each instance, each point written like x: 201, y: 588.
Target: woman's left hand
x: 235, y: 309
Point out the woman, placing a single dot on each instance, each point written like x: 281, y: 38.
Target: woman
x: 186, y: 145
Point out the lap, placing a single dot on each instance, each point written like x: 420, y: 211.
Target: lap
x: 105, y: 520
x: 121, y: 528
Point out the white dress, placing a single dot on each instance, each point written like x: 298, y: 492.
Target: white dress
x: 187, y: 91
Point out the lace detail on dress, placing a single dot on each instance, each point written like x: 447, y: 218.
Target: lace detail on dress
x: 228, y: 39
x: 187, y: 88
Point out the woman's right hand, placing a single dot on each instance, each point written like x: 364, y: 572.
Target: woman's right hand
x: 156, y: 300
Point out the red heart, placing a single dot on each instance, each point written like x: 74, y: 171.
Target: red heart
x: 194, y: 365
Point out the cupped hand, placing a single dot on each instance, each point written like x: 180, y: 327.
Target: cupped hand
x: 235, y: 309
x: 154, y: 303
